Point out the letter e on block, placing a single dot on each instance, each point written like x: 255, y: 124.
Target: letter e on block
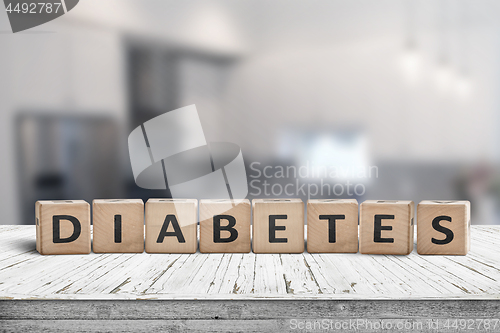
x: 278, y: 225
x: 443, y: 227
x: 225, y: 226
x: 171, y: 225
x: 386, y: 227
x: 62, y: 227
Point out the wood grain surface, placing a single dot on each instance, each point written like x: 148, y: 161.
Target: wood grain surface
x: 345, y: 227
x: 288, y: 232
x: 45, y: 211
x: 128, y: 235
x: 396, y: 218
x: 458, y: 213
x: 25, y: 274
x: 185, y: 213
x: 237, y: 209
x: 144, y: 292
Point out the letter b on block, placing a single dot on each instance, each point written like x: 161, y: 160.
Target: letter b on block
x: 225, y: 226
x: 443, y: 227
x: 62, y: 227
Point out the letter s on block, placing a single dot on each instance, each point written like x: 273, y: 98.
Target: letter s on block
x: 449, y: 234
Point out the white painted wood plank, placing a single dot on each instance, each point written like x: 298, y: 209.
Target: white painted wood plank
x: 332, y: 273
x: 152, y: 268
x: 201, y: 279
x: 244, y: 283
x: 344, y: 265
x: 298, y: 276
x: 160, y: 283
x: 323, y: 277
x: 269, y: 275
x: 419, y: 280
x: 116, y: 274
x: 183, y: 275
x: 226, y: 274
x: 26, y: 274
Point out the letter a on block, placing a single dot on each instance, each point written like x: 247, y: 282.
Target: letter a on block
x: 171, y: 225
x: 443, y: 227
x: 62, y: 227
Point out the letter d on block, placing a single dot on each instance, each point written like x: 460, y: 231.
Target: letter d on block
x: 62, y: 227
x: 56, y: 229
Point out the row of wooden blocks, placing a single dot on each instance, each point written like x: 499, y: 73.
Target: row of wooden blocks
x: 385, y: 227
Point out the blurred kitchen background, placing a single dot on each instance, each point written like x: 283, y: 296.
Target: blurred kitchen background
x: 411, y: 87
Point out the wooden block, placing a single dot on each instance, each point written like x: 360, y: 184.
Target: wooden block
x: 386, y: 227
x: 225, y: 226
x: 118, y: 226
x: 443, y: 227
x: 62, y: 227
x: 278, y: 225
x: 332, y: 226
x: 171, y: 225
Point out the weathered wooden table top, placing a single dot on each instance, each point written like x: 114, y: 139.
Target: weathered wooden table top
x: 25, y: 274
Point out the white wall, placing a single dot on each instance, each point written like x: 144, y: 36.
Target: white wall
x: 302, y: 63
x: 59, y: 67
x: 361, y: 84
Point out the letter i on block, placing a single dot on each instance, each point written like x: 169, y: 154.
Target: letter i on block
x: 443, y: 227
x: 278, y: 225
x: 332, y: 226
x: 62, y: 227
x: 386, y: 227
x: 225, y: 226
x: 118, y: 225
x: 171, y: 225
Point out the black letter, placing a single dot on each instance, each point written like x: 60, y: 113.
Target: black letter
x: 177, y: 230
x: 440, y: 228
x: 56, y: 227
x: 118, y: 228
x: 229, y: 227
x: 273, y: 228
x: 331, y: 225
x: 377, y: 235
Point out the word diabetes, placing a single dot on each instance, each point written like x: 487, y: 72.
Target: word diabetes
x: 333, y: 226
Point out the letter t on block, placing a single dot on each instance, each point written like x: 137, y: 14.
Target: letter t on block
x: 62, y: 227
x: 443, y: 227
x: 332, y: 226
x: 386, y: 227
